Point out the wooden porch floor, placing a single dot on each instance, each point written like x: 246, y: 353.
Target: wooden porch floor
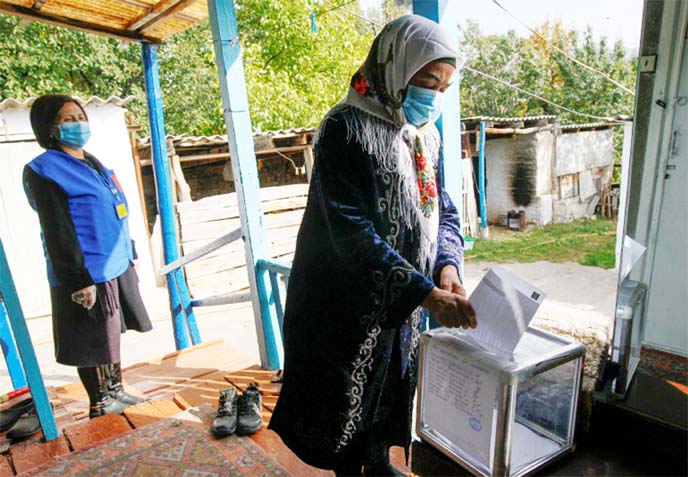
x: 177, y: 382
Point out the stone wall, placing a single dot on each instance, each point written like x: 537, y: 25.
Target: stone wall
x: 215, y: 178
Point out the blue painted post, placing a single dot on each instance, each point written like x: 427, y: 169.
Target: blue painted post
x: 235, y: 100
x: 9, y: 349
x: 183, y: 319
x: 26, y: 351
x: 484, y: 230
x: 445, y: 12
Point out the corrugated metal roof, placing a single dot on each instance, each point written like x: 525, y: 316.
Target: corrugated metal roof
x: 140, y: 20
x: 12, y: 103
x: 587, y: 126
x: 184, y: 140
x: 494, y: 119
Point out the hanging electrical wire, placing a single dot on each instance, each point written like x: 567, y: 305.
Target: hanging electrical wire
x: 537, y: 96
x: 357, y: 15
x: 575, y: 60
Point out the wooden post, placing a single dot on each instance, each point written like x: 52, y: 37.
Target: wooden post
x: 183, y: 319
x: 132, y: 128
x: 235, y: 101
x: 26, y: 350
x: 308, y: 161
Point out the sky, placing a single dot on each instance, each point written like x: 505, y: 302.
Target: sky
x: 615, y: 19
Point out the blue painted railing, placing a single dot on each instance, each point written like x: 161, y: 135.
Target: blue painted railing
x: 25, y: 349
x: 275, y: 268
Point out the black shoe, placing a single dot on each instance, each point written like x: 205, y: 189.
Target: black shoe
x: 95, y: 381
x: 225, y: 423
x: 12, y: 414
x: 26, y: 426
x: 250, y: 416
x: 114, y: 378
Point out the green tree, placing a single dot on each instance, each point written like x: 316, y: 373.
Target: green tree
x: 536, y: 66
x: 39, y: 58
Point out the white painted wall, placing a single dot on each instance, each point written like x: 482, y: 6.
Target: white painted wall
x: 19, y: 226
x: 501, y: 156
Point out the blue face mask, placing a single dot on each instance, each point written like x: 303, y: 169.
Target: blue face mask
x: 422, y: 105
x: 74, y: 134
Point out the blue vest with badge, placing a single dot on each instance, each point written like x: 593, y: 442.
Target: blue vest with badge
x: 98, y: 209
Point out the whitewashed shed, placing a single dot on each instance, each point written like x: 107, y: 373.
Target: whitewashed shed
x: 19, y: 226
x: 554, y: 173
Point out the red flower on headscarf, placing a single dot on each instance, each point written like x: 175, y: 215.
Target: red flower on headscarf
x: 431, y: 189
x: 422, y: 162
x: 360, y: 84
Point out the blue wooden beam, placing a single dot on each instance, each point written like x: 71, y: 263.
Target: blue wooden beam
x: 183, y: 318
x: 26, y: 350
x: 445, y: 12
x: 9, y: 349
x: 235, y: 101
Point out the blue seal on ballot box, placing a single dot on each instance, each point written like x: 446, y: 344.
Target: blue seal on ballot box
x: 475, y: 424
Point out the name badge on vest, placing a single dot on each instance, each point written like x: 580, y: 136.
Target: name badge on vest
x: 121, y: 210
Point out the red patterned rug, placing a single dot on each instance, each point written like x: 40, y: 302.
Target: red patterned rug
x: 664, y: 365
x: 171, y: 447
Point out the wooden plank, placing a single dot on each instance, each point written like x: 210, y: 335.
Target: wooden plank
x: 217, y: 228
x: 151, y: 411
x: 202, y: 390
x: 190, y: 216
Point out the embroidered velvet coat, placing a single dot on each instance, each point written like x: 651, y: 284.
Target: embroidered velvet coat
x: 352, y: 319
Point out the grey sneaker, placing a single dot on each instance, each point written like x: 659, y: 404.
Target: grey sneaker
x: 250, y: 415
x: 225, y: 423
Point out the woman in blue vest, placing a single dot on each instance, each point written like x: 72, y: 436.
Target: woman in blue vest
x: 84, y: 224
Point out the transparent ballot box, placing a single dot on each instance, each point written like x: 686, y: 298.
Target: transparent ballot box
x: 499, y: 416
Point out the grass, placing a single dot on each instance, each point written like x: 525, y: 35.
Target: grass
x: 588, y: 242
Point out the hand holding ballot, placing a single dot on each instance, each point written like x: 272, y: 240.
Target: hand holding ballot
x: 449, y: 304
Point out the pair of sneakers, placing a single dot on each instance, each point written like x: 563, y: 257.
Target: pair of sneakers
x: 239, y: 414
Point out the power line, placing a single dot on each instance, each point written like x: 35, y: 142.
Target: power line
x: 575, y: 60
x: 372, y: 22
x: 518, y: 88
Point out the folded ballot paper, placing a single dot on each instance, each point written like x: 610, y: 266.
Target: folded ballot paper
x: 504, y: 305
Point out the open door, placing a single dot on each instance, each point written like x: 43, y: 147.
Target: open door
x: 653, y: 295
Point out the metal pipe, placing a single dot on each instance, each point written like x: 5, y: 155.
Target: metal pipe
x: 484, y: 230
x: 180, y: 301
x: 9, y: 349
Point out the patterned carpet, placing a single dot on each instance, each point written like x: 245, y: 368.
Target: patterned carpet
x: 169, y: 448
x: 664, y: 365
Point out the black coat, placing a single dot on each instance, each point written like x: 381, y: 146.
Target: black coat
x: 352, y: 319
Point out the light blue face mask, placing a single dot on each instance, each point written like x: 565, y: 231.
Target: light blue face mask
x: 422, y: 105
x: 74, y: 135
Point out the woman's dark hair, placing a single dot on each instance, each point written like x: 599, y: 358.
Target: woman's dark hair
x: 43, y: 115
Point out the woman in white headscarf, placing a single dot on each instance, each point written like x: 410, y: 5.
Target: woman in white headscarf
x: 380, y: 240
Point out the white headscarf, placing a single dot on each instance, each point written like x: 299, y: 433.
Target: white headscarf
x: 377, y: 122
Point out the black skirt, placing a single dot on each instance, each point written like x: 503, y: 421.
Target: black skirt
x: 92, y: 337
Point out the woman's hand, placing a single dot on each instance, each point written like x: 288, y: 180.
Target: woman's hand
x: 449, y: 281
x: 450, y: 309
x: 85, y: 297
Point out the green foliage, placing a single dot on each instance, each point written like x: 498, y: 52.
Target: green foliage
x: 588, y: 242
x: 39, y: 58
x: 536, y: 66
x: 295, y: 76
